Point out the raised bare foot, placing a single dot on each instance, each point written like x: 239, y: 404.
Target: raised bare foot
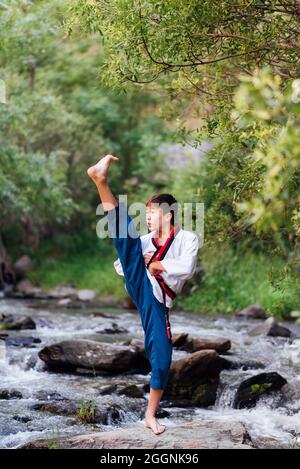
x: 154, y: 425
x: 99, y: 170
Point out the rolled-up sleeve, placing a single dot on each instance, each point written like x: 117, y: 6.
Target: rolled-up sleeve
x: 183, y: 266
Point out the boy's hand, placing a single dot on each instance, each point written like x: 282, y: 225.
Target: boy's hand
x: 156, y: 268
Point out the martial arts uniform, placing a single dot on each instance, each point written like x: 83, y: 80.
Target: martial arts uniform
x: 153, y: 295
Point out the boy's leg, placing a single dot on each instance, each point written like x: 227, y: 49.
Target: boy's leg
x: 157, y: 345
x: 127, y: 243
x: 98, y: 174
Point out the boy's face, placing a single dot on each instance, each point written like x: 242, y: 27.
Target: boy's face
x: 156, y: 219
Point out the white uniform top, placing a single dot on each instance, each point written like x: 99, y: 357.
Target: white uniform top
x: 180, y: 262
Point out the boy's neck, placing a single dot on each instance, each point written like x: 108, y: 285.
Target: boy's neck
x: 164, y: 233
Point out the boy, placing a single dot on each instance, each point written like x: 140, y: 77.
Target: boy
x: 155, y: 267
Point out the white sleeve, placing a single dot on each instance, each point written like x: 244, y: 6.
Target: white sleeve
x: 183, y: 266
x: 118, y: 267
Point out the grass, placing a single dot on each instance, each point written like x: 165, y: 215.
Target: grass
x: 83, y: 268
x: 86, y: 411
x: 232, y: 280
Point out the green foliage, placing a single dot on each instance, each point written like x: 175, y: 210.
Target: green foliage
x: 86, y: 411
x: 33, y: 185
x: 189, y: 45
x: 235, y: 278
x: 258, y: 389
x: 272, y: 116
x: 57, y: 122
x: 152, y: 59
x: 85, y: 264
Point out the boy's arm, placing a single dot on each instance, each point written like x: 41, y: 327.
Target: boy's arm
x: 183, y: 266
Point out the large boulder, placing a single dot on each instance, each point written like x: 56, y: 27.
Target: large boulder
x: 70, y: 355
x: 270, y: 327
x: 250, y: 390
x: 218, y: 344
x: 254, y: 311
x: 194, y: 435
x: 193, y: 380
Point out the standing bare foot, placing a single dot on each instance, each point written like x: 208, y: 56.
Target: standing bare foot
x: 152, y: 423
x: 99, y: 170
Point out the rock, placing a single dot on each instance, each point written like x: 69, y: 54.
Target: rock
x: 27, y: 290
x: 64, y: 301
x: 22, y: 418
x: 86, y: 295
x: 63, y: 291
x: 270, y: 327
x: 294, y: 314
x: 127, y: 303
x: 183, y: 342
x: 136, y: 343
x: 86, y: 411
x: 193, y: 380
x: 44, y: 322
x: 132, y: 391
x: 107, y: 389
x: 242, y: 365
x: 9, y: 322
x: 99, y: 356
x: 10, y: 394
x: 100, y: 314
x: 190, y: 435
x: 108, y: 300
x: 250, y: 390
x: 48, y: 396
x: 115, y: 329
x: 218, y: 344
x: 22, y: 266
x: 254, y: 311
x: 22, y: 341
x: 179, y: 339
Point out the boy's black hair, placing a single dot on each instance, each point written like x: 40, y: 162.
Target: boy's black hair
x: 165, y: 199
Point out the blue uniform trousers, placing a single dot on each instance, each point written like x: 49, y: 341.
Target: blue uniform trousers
x: 153, y: 313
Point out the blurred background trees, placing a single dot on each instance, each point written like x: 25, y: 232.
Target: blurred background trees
x: 89, y: 77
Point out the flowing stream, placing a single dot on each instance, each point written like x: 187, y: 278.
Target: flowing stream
x: 274, y: 422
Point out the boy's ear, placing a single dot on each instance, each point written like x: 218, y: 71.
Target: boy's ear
x: 168, y: 216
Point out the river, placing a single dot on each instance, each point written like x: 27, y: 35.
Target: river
x: 273, y: 422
